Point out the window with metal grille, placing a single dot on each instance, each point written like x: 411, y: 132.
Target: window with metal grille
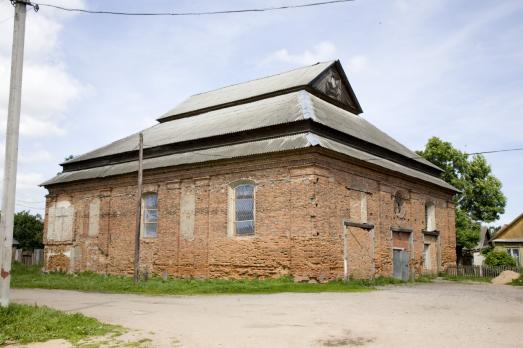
x: 244, y: 209
x: 150, y: 214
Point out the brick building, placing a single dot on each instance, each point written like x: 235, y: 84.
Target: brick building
x: 272, y: 177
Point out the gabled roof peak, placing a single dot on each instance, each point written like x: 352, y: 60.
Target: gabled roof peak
x: 326, y: 63
x: 326, y: 79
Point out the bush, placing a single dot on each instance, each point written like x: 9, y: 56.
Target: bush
x: 498, y: 257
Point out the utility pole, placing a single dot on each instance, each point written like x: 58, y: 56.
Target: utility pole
x: 138, y: 211
x: 11, y: 149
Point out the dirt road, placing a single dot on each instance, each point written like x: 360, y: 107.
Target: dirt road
x: 426, y: 315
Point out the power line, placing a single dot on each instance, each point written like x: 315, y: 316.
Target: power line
x: 377, y: 158
x: 494, y: 151
x: 6, y: 19
x: 29, y: 207
x: 30, y: 202
x: 205, y: 13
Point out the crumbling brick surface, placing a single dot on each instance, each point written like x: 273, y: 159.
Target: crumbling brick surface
x: 302, y: 199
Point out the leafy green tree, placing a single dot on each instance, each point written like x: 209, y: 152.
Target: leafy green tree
x: 28, y: 230
x: 480, y: 199
x: 467, y: 230
x: 499, y: 258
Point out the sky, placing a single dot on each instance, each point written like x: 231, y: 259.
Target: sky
x: 451, y: 69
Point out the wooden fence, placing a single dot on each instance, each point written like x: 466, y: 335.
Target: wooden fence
x: 479, y: 271
x: 29, y: 257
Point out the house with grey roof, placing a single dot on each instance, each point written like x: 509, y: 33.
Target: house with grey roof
x: 279, y: 176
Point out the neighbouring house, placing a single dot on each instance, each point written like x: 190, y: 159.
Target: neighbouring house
x: 475, y: 255
x: 510, y: 237
x: 278, y: 176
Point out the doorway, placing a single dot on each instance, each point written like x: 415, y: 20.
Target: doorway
x: 401, y: 249
x: 400, y: 264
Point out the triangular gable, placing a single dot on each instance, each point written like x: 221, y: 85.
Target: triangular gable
x: 333, y: 84
x: 512, y: 231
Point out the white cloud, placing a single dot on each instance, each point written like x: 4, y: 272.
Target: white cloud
x: 358, y: 64
x: 38, y: 155
x: 323, y: 51
x: 28, y: 180
x: 48, y: 89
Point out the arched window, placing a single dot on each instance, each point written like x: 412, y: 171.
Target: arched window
x: 430, y: 216
x: 241, y: 208
x: 149, y: 214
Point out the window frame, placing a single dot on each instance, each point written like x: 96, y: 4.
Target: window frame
x: 144, y: 223
x: 510, y: 251
x: 232, y: 230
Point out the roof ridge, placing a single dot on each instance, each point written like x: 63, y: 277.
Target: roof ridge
x: 305, y: 105
x: 264, y: 77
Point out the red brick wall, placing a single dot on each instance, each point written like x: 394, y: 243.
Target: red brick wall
x: 302, y: 199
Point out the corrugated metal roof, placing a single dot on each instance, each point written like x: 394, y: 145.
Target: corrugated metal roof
x: 294, y: 78
x: 272, y: 111
x: 393, y: 166
x: 223, y: 152
x: 285, y: 143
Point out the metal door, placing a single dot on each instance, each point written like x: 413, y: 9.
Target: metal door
x: 400, y: 264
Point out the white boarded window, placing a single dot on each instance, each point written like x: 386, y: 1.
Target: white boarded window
x: 150, y: 214
x: 187, y: 212
x: 430, y: 216
x: 242, y: 208
x: 61, y: 221
x: 94, y: 217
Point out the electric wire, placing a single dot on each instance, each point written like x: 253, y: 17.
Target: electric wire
x: 204, y: 13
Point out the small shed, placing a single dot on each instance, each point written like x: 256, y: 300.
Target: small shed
x: 15, y: 252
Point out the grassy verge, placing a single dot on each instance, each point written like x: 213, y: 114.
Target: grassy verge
x: 518, y: 282
x: 31, y: 277
x: 466, y: 279
x: 25, y: 324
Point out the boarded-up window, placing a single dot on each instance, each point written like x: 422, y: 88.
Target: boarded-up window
x: 430, y: 216
x: 61, y: 221
x: 363, y: 207
x: 150, y: 214
x: 187, y: 212
x: 94, y: 217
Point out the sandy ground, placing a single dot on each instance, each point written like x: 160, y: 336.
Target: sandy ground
x: 441, y: 314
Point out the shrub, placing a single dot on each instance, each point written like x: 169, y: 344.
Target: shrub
x: 499, y: 257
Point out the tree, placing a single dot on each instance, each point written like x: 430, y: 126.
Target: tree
x: 28, y: 230
x: 499, y: 257
x: 480, y: 198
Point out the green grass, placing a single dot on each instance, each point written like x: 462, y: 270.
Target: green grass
x: 31, y: 277
x: 25, y: 324
x: 518, y: 282
x: 466, y: 279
